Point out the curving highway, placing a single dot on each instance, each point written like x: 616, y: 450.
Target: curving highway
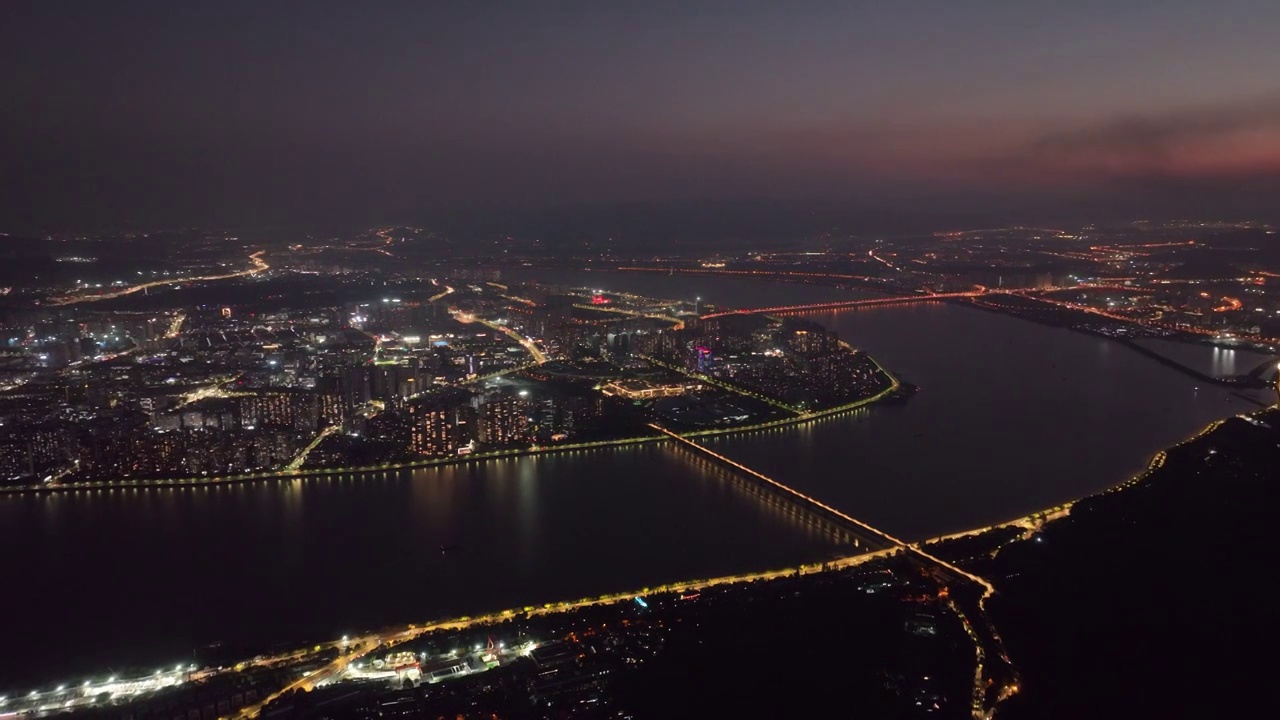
x: 528, y: 344
x: 259, y: 265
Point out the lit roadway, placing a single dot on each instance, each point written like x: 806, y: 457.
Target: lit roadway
x: 259, y: 265
x: 387, y: 240
x: 301, y: 458
x: 726, y: 386
x: 771, y: 274
x: 497, y: 373
x: 979, y: 707
x: 358, y: 647
x: 447, y: 290
x: 903, y: 300
x: 372, y: 408
x: 872, y: 254
x: 756, y: 273
x: 677, y: 322
x: 1122, y: 318
x: 525, y: 342
x: 68, y: 697
x: 1039, y: 294
x: 213, y: 389
x: 175, y: 327
x: 268, y: 475
x: 814, y: 502
x: 361, y: 646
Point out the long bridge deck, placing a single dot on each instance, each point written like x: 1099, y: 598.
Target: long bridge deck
x: 843, y: 304
x: 829, y: 511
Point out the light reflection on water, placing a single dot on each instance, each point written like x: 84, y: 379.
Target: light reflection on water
x: 1013, y: 416
x: 305, y: 558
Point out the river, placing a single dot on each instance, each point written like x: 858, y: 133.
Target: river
x: 1012, y: 416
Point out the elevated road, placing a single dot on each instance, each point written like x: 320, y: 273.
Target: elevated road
x: 779, y: 274
x: 677, y: 323
x: 532, y: 348
x: 1265, y: 369
x: 873, y: 302
x: 447, y: 291
x: 817, y: 504
x: 358, y: 647
x: 258, y: 265
x: 986, y: 640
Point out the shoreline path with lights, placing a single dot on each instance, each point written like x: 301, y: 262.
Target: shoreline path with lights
x: 894, y: 385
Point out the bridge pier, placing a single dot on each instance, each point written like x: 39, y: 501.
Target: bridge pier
x: 789, y: 501
x: 844, y: 304
x: 850, y: 522
x: 836, y: 531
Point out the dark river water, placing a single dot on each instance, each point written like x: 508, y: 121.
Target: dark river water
x: 1214, y: 360
x: 1012, y: 416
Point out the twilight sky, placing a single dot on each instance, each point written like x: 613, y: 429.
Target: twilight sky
x: 273, y: 111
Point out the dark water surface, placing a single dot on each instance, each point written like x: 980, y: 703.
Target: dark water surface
x: 1210, y: 360
x: 97, y: 581
x: 1013, y: 416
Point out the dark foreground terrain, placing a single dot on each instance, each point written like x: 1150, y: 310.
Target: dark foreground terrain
x: 1147, y: 601
x: 1150, y: 601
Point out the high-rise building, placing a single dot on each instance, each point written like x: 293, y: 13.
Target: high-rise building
x: 353, y: 384
x: 283, y: 409
x: 443, y: 425
x: 702, y: 359
x: 503, y: 416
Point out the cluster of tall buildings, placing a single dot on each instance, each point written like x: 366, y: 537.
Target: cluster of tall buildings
x: 34, y: 450
x: 392, y: 383
x: 186, y: 453
x: 285, y: 409
x: 51, y: 339
x: 456, y: 423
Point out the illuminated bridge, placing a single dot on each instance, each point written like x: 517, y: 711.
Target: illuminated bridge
x: 1266, y: 370
x: 860, y: 527
x: 873, y: 302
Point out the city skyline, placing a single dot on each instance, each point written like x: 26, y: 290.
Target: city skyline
x: 583, y: 361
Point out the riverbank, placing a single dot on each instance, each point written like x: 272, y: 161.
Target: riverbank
x: 991, y: 538
x: 195, y: 482
x: 984, y: 644
x: 1149, y: 586
x: 999, y: 533
x: 1056, y: 316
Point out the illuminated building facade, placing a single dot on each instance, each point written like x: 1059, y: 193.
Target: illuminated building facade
x: 504, y: 417
x: 441, y: 426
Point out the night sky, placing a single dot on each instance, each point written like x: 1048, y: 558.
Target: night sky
x: 118, y: 112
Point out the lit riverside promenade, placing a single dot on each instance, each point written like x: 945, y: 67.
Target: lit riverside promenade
x: 358, y: 647
x: 980, y: 708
